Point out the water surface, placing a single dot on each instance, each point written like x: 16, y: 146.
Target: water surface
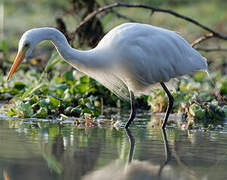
x: 53, y: 150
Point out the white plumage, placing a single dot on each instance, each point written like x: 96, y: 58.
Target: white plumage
x: 144, y: 54
x: 131, y: 56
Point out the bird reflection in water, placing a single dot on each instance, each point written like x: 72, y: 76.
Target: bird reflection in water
x: 142, y: 168
x: 78, y: 155
x: 134, y: 169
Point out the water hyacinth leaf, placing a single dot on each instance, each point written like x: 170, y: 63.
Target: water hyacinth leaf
x: 87, y: 110
x: 82, y: 88
x: 177, y: 100
x: 183, y: 85
x: 200, y: 76
x: 60, y: 87
x: 54, y: 102
x: 204, y: 96
x: 33, y: 100
x: 19, y: 85
x: 44, y: 102
x: 84, y: 79
x: 25, y: 110
x: 95, y: 112
x: 41, y: 113
x: 44, y: 89
x: 68, y: 76
x: 197, y: 112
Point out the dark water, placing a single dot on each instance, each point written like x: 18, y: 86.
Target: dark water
x: 38, y: 150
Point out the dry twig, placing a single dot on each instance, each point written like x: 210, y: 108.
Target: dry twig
x: 212, y: 33
x: 202, y: 39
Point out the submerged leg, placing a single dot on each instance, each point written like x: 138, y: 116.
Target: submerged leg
x: 170, y: 105
x: 133, y: 110
x: 132, y: 144
x: 167, y: 152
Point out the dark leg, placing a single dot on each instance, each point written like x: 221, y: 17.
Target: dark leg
x: 132, y: 144
x: 133, y: 110
x: 167, y: 152
x: 170, y: 105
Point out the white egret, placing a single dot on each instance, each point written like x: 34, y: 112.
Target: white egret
x: 129, y: 58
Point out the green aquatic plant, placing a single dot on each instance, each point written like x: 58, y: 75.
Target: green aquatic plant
x: 201, y: 99
x: 70, y: 93
x: 52, y: 93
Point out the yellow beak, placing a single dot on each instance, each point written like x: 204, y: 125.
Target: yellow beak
x: 17, y: 61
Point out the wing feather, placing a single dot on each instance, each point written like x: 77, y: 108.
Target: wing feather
x: 111, y: 82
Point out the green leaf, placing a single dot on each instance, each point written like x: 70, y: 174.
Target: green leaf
x: 199, y: 76
x: 196, y: 111
x: 68, y: 75
x: 41, y: 113
x: 44, y: 102
x: 54, y: 102
x: 82, y: 88
x: 19, y: 85
x: 12, y: 112
x: 25, y: 110
x: 84, y: 79
x: 33, y: 100
x: 224, y: 87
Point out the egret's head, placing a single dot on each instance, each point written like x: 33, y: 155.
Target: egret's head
x: 26, y: 45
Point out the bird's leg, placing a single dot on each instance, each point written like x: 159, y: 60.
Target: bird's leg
x: 167, y: 152
x: 133, y: 110
x: 132, y: 144
x: 170, y: 105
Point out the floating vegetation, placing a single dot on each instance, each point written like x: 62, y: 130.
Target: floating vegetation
x: 47, y: 96
x: 200, y: 99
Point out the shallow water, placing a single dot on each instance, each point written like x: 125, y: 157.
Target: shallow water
x: 51, y: 150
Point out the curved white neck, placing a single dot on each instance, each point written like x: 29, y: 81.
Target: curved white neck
x: 78, y: 59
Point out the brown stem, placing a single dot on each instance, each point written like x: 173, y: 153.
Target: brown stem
x: 202, y: 39
x: 153, y: 9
